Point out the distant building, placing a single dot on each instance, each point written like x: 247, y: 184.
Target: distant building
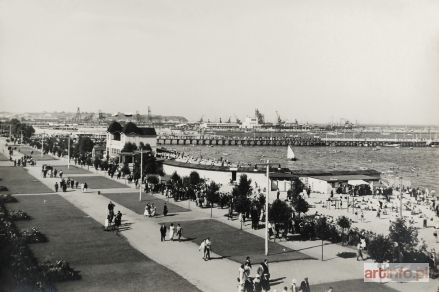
x: 118, y: 136
x: 250, y: 123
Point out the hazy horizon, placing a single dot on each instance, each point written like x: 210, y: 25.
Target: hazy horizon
x: 373, y: 61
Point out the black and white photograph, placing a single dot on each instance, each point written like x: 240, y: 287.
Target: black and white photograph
x: 219, y: 146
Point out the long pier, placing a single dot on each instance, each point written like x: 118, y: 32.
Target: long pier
x: 296, y: 141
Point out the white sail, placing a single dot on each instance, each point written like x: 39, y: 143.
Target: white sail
x: 290, y: 153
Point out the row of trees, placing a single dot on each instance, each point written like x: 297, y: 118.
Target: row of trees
x: 17, y: 129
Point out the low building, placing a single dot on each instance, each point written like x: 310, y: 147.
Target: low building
x: 280, y: 179
x: 118, y: 136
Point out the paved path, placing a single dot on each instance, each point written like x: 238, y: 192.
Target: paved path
x: 217, y: 275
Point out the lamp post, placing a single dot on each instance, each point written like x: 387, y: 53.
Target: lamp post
x: 68, y: 151
x: 141, y: 172
x: 42, y: 144
x: 267, y: 165
x: 400, y: 197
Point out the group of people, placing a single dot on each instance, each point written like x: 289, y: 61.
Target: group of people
x: 150, y: 210
x: 175, y: 232
x: 113, y: 221
x: 23, y: 161
x: 261, y: 282
x: 70, y: 183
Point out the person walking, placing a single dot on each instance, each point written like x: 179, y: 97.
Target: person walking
x: 165, y: 210
x: 207, y: 248
x: 171, y: 232
x: 60, y: 173
x: 359, y: 251
x: 76, y: 184
x: 85, y: 187
x: 179, y: 232
x: 56, y: 187
x: 307, y: 287
x: 118, y: 221
x: 264, y: 274
x: 293, y: 285
x: 163, y: 232
x: 243, y: 277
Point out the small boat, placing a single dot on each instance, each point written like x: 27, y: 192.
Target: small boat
x: 376, y: 149
x: 290, y: 154
x: 392, y: 145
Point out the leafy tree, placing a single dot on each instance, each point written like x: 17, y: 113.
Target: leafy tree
x: 297, y: 188
x: 175, y: 178
x: 344, y: 223
x: 136, y: 171
x: 403, y: 234
x: 194, y: 178
x: 129, y: 147
x: 212, y: 193
x: 301, y: 205
x: 242, y: 204
x: 152, y: 179
x: 145, y: 147
x: 322, y: 229
x: 125, y: 169
x: 380, y: 249
x: 244, y: 187
x: 279, y: 212
x: 85, y: 145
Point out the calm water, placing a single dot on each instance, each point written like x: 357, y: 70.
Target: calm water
x: 420, y: 166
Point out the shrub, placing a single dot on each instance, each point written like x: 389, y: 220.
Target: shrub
x: 17, y: 215
x: 279, y: 212
x: 33, y: 236
x: 380, y: 248
x: 8, y: 199
x: 59, y: 271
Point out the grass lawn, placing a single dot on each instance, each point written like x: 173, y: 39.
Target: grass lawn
x: 106, y: 261
x: 236, y: 244
x: 71, y: 170
x: 131, y: 201
x: 27, y: 150
x: 98, y: 182
x: 351, y: 285
x: 19, y: 181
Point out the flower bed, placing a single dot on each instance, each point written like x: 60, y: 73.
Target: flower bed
x: 33, y: 236
x: 16, y: 256
x: 59, y: 271
x: 17, y: 215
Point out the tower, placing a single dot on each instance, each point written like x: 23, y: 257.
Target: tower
x: 78, y: 115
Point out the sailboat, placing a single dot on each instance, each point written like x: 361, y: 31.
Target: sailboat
x: 290, y: 154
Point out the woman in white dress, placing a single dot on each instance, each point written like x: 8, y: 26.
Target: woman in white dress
x: 146, y: 212
x: 171, y: 232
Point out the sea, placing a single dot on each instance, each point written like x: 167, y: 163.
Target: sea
x: 418, y: 167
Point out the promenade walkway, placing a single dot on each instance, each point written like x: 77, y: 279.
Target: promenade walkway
x: 216, y: 275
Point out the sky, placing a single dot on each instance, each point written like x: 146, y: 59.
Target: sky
x: 374, y: 61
